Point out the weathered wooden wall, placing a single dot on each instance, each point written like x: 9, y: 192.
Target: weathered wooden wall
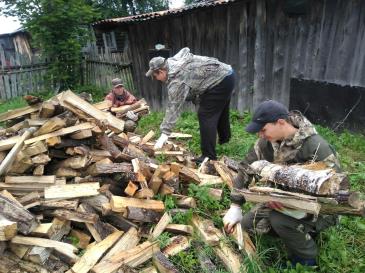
x: 265, y: 46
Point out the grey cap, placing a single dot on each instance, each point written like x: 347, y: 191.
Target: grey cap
x: 117, y: 82
x: 155, y: 63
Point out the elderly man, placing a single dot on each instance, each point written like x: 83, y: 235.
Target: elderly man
x: 119, y: 96
x: 205, y: 81
x: 285, y: 138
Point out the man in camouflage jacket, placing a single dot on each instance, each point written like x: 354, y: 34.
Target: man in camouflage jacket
x: 285, y: 138
x: 203, y: 80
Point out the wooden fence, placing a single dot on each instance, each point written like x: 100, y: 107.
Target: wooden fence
x: 21, y: 74
x: 100, y: 67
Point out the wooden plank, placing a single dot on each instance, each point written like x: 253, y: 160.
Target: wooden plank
x: 93, y: 254
x: 61, y: 132
x: 161, y: 225
x: 71, y: 191
x: 120, y: 204
x: 46, y: 179
x: 19, y: 112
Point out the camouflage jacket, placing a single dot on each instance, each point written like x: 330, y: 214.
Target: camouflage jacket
x: 306, y: 145
x: 189, y: 76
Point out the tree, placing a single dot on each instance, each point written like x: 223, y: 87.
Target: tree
x: 59, y: 28
x: 119, y: 8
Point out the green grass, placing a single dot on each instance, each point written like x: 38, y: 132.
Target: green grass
x: 341, y: 247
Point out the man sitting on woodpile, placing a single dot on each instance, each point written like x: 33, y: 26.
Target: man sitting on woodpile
x: 285, y: 138
x: 120, y: 96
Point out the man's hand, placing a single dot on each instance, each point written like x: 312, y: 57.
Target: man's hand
x: 275, y: 205
x: 161, y: 141
x: 232, y: 217
x: 132, y: 116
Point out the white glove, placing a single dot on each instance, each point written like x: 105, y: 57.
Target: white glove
x: 131, y: 115
x: 161, y: 141
x: 232, y: 217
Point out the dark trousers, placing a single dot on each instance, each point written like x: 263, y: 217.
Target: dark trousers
x: 297, y: 234
x: 213, y: 115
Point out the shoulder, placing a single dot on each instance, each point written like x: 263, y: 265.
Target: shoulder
x: 316, y: 147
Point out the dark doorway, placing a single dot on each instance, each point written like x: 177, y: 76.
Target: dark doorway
x: 335, y: 106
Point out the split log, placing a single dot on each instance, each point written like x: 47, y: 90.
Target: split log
x: 97, y: 202
x: 12, y: 114
x: 51, y: 125
x: 225, y: 173
x: 180, y: 135
x: 29, y: 198
x: 175, y: 245
x: 179, y: 229
x: 35, y: 148
x: 47, y: 179
x: 38, y: 170
x: 120, y: 204
x: 53, y: 141
x: 107, y: 144
x: 121, y: 142
x: 82, y: 134
x: 117, y: 220
x: 13, y: 211
x: 76, y: 162
x: 162, y: 264
x: 41, y: 159
x: 100, y: 168
x: 147, y: 137
x: 47, y: 110
x: 83, y: 238
x: 76, y: 104
x: 150, y: 269
x: 172, y: 180
x: 125, y: 108
x: 185, y: 202
x: 321, y: 182
x: 166, y: 190
x: 71, y: 191
x: 94, y: 253
x: 8, y: 229
x: 143, y: 215
x: 10, y: 263
x: 131, y: 188
x: 75, y: 216
x: 9, y: 159
x: 8, y: 143
x: 161, y: 225
x: 128, y: 241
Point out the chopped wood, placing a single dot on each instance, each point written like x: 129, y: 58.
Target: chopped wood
x: 67, y: 172
x: 147, y: 137
x: 155, y: 183
x: 180, y: 135
x: 161, y: 225
x: 46, y: 179
x: 185, y: 202
x: 175, y: 245
x: 119, y: 204
x: 225, y: 173
x: 47, y: 109
x: 34, y: 122
x: 12, y: 114
x: 150, y: 269
x: 103, y: 105
x: 82, y: 134
x: 118, y: 221
x: 64, y: 248
x: 96, y: 202
x: 166, y: 190
x: 76, y: 216
x: 169, y: 153
x: 216, y: 194
x: 51, y: 125
x: 71, y: 101
x: 41, y: 159
x: 93, y: 254
x: 162, y: 264
x: 29, y: 198
x: 53, y: 141
x: 108, y: 144
x: 100, y: 168
x: 83, y: 239
x: 76, y: 162
x: 35, y: 148
x: 129, y: 240
x: 71, y: 191
x: 8, y: 229
x: 10, y: 157
x: 61, y: 132
x: 125, y: 108
x: 131, y: 188
x: 143, y: 215
x: 38, y: 170
x: 7, y: 144
x: 179, y: 229
x: 13, y: 211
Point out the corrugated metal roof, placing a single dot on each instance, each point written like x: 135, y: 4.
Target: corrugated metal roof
x: 157, y: 14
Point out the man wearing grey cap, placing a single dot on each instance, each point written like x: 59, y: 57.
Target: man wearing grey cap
x: 206, y: 82
x: 285, y: 138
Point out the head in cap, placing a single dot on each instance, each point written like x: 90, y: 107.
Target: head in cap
x: 270, y: 121
x: 157, y: 69
x: 118, y: 88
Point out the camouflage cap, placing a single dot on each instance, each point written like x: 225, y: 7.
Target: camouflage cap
x: 155, y: 63
x: 117, y: 82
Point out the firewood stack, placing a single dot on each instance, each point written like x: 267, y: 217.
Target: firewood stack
x: 76, y: 193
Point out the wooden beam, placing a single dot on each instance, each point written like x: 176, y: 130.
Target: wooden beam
x: 71, y: 191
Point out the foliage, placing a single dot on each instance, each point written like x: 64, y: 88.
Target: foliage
x: 120, y: 8
x: 188, y: 2
x: 59, y: 29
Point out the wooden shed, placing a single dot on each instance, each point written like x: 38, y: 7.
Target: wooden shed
x: 308, y: 54
x: 13, y: 45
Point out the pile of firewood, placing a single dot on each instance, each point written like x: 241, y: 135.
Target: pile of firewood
x: 77, y: 194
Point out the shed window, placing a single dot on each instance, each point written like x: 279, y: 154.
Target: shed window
x: 109, y: 40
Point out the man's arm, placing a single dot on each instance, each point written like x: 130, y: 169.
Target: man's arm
x: 176, y: 98
x: 129, y: 98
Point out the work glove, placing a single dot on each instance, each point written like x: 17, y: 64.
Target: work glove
x: 232, y: 217
x: 132, y: 116
x: 161, y: 141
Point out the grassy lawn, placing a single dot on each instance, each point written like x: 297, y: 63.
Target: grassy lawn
x: 341, y: 247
